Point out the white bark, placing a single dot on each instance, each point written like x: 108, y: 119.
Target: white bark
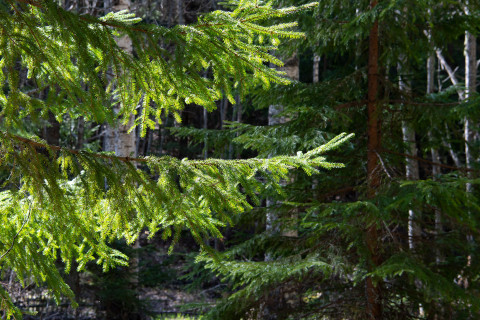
x: 292, y: 70
x: 411, y: 166
x: 470, y: 88
x: 316, y: 68
x: 412, y: 173
x: 461, y: 96
x: 446, y: 143
x: 117, y: 138
x: 451, y: 73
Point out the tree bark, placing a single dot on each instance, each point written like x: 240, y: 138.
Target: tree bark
x: 461, y: 95
x: 117, y: 138
x: 205, y: 127
x: 124, y: 144
x: 292, y: 70
x: 179, y: 6
x: 433, y: 150
x: 278, y: 300
x: 470, y: 88
x: 373, y: 290
x: 316, y: 68
x: 411, y: 165
x: 451, y: 73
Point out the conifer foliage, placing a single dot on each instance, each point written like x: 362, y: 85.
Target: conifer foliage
x: 59, y: 203
x: 359, y: 252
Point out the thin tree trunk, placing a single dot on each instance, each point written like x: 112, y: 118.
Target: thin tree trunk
x: 470, y: 88
x: 51, y: 130
x: 434, y: 151
x: 411, y: 165
x: 316, y: 68
x: 373, y: 290
x: 461, y: 96
x: 236, y: 110
x: 292, y: 70
x: 272, y: 215
x: 205, y: 127
x: 179, y: 6
x: 269, y: 309
x: 80, y: 133
x: 411, y: 173
x: 239, y: 120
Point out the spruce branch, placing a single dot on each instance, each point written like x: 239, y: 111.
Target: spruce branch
x: 25, y: 221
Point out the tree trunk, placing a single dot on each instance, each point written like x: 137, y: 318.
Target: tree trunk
x: 118, y: 139
x: 51, y: 131
x: 316, y: 68
x: 279, y: 300
x: 451, y: 74
x: 461, y: 95
x: 179, y: 6
x: 411, y: 165
x: 205, y: 127
x: 373, y: 290
x: 292, y: 70
x: 433, y: 150
x: 470, y: 88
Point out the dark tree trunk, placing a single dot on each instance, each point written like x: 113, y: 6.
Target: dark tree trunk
x: 373, y: 292
x: 52, y: 130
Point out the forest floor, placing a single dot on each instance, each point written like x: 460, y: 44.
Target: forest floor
x: 167, y: 291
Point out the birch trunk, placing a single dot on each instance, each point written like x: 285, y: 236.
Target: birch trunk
x: 316, y: 68
x: 461, y: 95
x: 470, y: 88
x: 117, y: 138
x: 124, y: 144
x: 285, y: 297
x: 292, y: 70
x: 411, y: 165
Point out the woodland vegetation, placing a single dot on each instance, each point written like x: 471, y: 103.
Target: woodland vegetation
x: 244, y: 159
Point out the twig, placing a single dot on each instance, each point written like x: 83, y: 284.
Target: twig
x: 351, y: 104
x: 448, y: 145
x: 36, y: 144
x: 451, y: 73
x: 429, y: 162
x: 361, y: 103
x: 383, y: 164
x: 18, y: 232
x: 392, y: 236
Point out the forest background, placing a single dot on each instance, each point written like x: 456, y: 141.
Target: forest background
x: 390, y: 234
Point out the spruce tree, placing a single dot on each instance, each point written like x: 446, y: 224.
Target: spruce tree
x: 69, y: 204
x: 352, y: 257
